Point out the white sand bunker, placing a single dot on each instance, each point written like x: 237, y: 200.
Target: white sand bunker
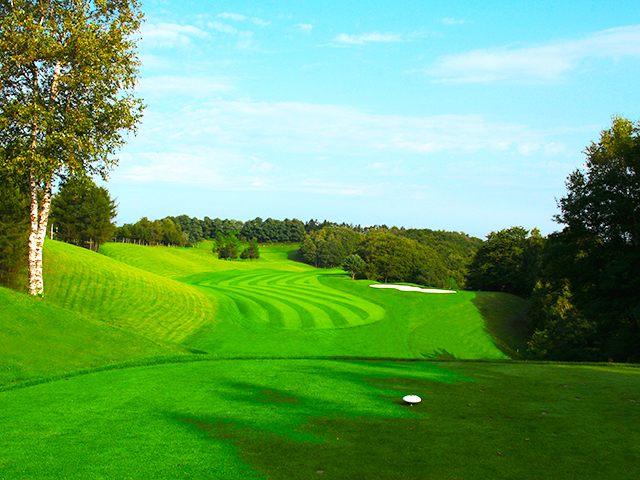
x: 407, y: 288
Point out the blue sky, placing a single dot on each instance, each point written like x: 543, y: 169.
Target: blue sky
x: 460, y: 115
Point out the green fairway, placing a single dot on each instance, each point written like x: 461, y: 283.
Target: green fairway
x: 133, y: 302
x: 276, y: 307
x: 300, y: 419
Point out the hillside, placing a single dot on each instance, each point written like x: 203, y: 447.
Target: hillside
x: 118, y: 294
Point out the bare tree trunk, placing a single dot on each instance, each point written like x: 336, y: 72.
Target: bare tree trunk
x: 38, y: 232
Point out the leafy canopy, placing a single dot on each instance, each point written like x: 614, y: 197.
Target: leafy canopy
x: 68, y: 69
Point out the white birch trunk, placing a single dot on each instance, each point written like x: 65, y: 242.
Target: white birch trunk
x: 39, y: 219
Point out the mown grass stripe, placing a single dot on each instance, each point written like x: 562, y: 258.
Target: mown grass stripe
x: 311, y: 315
x: 291, y: 315
x: 309, y: 302
x: 340, y: 314
x: 329, y: 300
x: 342, y: 309
x: 321, y: 314
x: 279, y: 314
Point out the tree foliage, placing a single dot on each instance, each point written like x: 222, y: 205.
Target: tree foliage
x: 273, y: 231
x: 82, y: 213
x: 354, y: 265
x: 227, y: 246
x: 393, y: 258
x: 437, y: 259
x: 454, y: 253
x: 561, y: 331
x: 507, y: 262
x: 330, y: 246
x: 603, y: 201
x: 590, y: 268
x: 67, y: 69
x: 251, y: 252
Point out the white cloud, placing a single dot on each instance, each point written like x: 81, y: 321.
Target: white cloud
x: 169, y: 34
x: 528, y: 149
x: 260, y: 22
x: 387, y: 168
x: 547, y: 62
x: 246, y: 39
x: 335, y: 188
x: 364, y: 38
x: 241, y: 18
x: 379, y: 166
x: 334, y: 131
x: 305, y: 27
x: 222, y: 27
x: 232, y: 16
x: 210, y: 167
x: 453, y: 21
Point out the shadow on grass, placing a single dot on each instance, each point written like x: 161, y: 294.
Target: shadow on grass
x: 506, y: 319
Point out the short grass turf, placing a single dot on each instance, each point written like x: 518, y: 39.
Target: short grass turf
x: 98, y: 310
x: 301, y: 419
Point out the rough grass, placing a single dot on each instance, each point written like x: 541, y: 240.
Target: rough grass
x: 505, y: 318
x: 299, y: 419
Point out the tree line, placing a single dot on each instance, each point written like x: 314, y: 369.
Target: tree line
x: 193, y: 230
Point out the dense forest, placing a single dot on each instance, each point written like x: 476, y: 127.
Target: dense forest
x: 425, y: 257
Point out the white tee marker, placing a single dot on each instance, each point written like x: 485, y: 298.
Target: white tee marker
x: 412, y: 399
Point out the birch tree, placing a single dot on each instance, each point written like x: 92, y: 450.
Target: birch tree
x: 68, y: 70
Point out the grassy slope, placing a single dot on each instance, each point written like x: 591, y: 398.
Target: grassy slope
x: 294, y: 419
x: 39, y: 339
x: 276, y: 307
x: 505, y: 318
x: 131, y: 298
